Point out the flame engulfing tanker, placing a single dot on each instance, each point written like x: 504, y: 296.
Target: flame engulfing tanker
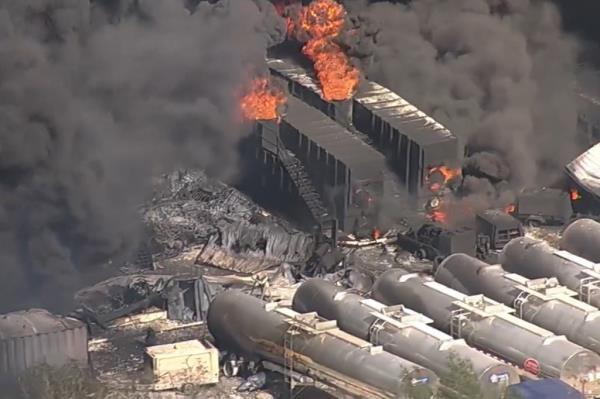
x: 318, y: 25
x: 262, y: 101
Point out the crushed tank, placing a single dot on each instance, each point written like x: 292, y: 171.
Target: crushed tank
x: 536, y: 259
x: 402, y: 332
x: 542, y: 302
x: 488, y: 325
x: 582, y: 238
x: 257, y: 330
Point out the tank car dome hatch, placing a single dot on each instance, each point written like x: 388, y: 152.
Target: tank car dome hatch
x: 35, y: 337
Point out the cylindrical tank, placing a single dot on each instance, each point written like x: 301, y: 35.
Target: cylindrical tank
x: 487, y: 325
x: 542, y: 303
x: 35, y: 337
x: 243, y: 324
x: 536, y: 259
x: 416, y: 342
x: 582, y: 238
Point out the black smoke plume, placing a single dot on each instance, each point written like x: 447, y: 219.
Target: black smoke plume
x: 94, y: 100
x: 498, y: 73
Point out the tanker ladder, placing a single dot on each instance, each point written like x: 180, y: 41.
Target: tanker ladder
x: 519, y: 302
x: 588, y: 286
x: 458, y: 319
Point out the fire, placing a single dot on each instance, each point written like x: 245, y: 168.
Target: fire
x: 574, y: 193
x: 322, y: 21
x: 438, y: 216
x: 376, y: 234
x: 510, y: 208
x: 445, y: 174
x: 262, y: 102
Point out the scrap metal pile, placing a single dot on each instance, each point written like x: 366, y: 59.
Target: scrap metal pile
x: 191, y: 211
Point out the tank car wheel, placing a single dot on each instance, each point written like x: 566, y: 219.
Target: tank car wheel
x: 420, y: 254
x: 534, y: 223
x: 230, y: 368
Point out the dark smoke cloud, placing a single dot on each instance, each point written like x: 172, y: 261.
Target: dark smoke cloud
x: 499, y: 73
x: 93, y: 102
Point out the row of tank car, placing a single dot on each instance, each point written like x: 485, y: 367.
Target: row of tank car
x: 532, y: 316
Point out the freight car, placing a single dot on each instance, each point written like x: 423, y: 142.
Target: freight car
x: 346, y: 172
x: 582, y: 238
x: 425, y: 155
x: 303, y: 343
x: 541, y: 302
x: 488, y: 325
x: 402, y: 332
x: 546, y: 206
x: 536, y: 259
x: 434, y: 241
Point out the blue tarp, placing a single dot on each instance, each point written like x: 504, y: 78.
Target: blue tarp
x: 550, y: 388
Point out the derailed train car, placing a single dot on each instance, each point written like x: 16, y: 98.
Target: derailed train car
x: 541, y: 302
x: 308, y: 345
x: 347, y: 173
x: 488, y: 325
x: 402, y: 332
x: 425, y: 155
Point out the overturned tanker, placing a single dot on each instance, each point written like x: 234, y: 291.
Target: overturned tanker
x: 582, y: 238
x: 303, y: 343
x: 536, y: 259
x: 488, y: 325
x: 402, y: 332
x: 542, y: 301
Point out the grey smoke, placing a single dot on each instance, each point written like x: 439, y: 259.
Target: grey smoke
x: 93, y: 102
x: 499, y: 73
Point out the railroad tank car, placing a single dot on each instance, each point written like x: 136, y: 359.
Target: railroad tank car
x: 402, y: 332
x: 582, y: 238
x: 536, y: 259
x: 488, y: 325
x: 250, y: 327
x: 542, y: 302
x: 424, y: 154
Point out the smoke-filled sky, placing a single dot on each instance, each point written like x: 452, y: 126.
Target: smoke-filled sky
x: 93, y: 102
x: 497, y: 72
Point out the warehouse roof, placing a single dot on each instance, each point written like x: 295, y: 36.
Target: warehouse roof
x: 585, y: 170
x: 33, y: 322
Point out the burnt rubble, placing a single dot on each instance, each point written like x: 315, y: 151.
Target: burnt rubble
x: 189, y: 210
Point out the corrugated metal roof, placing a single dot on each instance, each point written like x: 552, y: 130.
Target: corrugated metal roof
x: 363, y: 160
x: 585, y: 170
x: 399, y: 113
x: 33, y: 322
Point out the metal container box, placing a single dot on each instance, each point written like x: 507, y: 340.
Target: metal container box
x: 183, y: 364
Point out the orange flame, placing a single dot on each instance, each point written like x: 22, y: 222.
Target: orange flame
x: 574, y: 193
x: 376, y: 234
x: 446, y: 174
x: 510, y: 208
x: 262, y: 102
x: 438, y: 216
x: 322, y: 21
